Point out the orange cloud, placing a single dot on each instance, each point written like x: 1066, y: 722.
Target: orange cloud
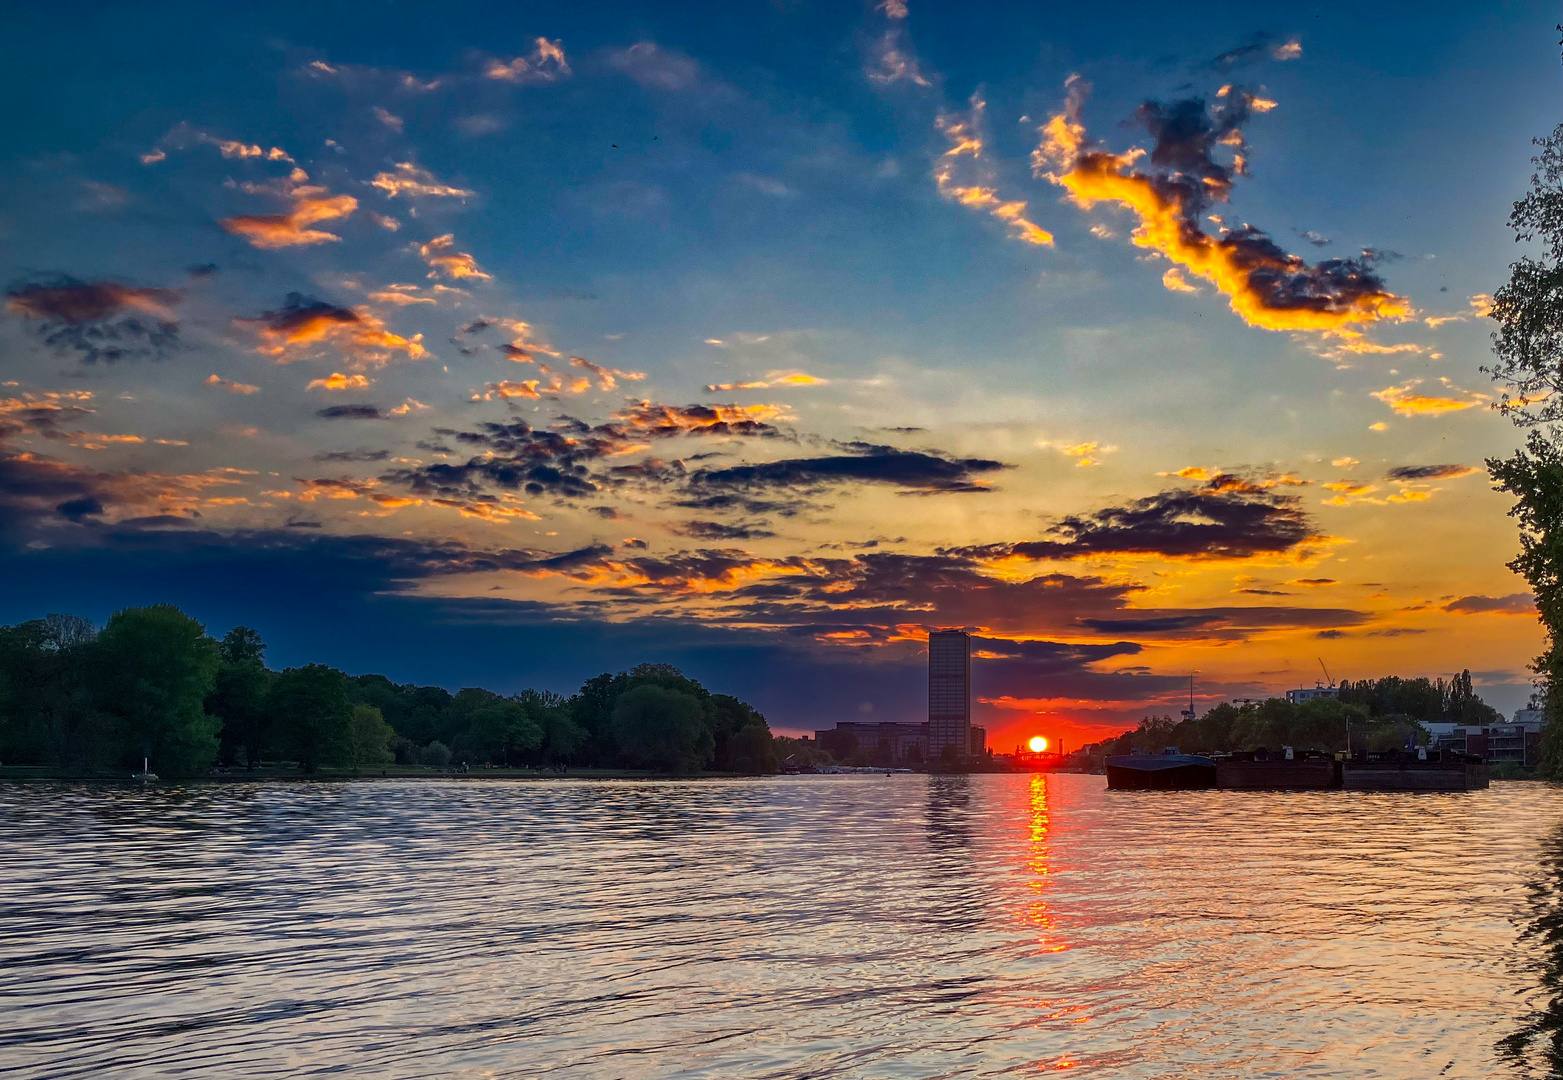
x: 776, y: 380
x: 442, y: 258
x: 409, y: 179
x: 963, y: 175
x: 338, y: 381
x: 294, y: 331
x: 546, y: 63
x: 271, y: 231
x: 1407, y: 402
x: 1265, y: 286
x: 231, y: 386
x: 607, y: 377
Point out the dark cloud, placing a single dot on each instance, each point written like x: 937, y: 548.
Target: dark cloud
x: 99, y: 320
x: 1513, y: 604
x: 1258, y: 48
x: 76, y: 509
x: 914, y: 472
x: 1429, y: 472
x: 1316, y: 239
x: 715, y: 530
x: 353, y: 455
x: 1227, y: 518
x: 607, y: 513
x: 350, y: 412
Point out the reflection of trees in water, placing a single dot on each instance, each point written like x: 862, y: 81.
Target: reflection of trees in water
x: 1539, y: 1039
x: 955, y: 891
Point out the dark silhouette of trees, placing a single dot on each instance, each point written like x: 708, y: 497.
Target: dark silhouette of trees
x: 312, y: 716
x: 661, y: 728
x: 151, y: 671
x: 153, y: 684
x: 1528, y: 345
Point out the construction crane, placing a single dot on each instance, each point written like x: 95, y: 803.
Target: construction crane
x: 1329, y: 681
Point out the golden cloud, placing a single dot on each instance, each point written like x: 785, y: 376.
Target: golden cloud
x: 231, y: 386
x: 1265, y: 286
x: 441, y: 256
x: 776, y: 380
x: 963, y: 175
x: 294, y: 331
x: 271, y: 231
x: 1406, y: 401
x: 409, y: 179
x: 338, y: 381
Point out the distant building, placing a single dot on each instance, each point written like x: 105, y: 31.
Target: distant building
x: 904, y: 744
x: 1302, y: 694
x: 949, y: 693
x: 979, y: 741
x: 1529, y: 716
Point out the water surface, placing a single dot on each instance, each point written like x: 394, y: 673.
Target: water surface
x: 841, y: 926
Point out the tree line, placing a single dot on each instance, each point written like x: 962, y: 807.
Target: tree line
x: 152, y: 684
x: 1391, y: 709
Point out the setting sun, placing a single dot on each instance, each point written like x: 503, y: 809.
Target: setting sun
x: 1037, y: 744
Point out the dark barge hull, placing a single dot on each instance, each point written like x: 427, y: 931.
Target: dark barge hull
x: 1414, y: 776
x: 1164, y: 772
x: 1278, y: 774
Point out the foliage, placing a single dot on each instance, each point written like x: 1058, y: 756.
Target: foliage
x: 661, y: 728
x: 154, y: 684
x: 312, y: 716
x: 1529, y: 349
x: 151, y: 671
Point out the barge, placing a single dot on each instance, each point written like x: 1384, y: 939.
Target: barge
x: 1171, y: 771
x: 1257, y: 770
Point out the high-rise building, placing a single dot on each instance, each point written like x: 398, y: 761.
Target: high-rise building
x: 949, y: 693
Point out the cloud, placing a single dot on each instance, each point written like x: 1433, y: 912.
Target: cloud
x: 1266, y: 286
x: 296, y: 330
x: 1257, y: 48
x: 1513, y: 604
x: 350, y: 412
x: 714, y: 530
x: 894, y: 62
x: 914, y: 472
x: 410, y: 180
x: 231, y: 386
x: 893, y: 9
x: 100, y: 320
x: 311, y: 205
x: 545, y: 64
x: 656, y: 68
x: 1316, y: 239
x: 1429, y: 472
x: 1228, y: 518
x: 182, y: 137
x: 338, y: 381
x: 443, y: 259
x: 607, y: 377
x: 1174, y: 281
x: 1406, y: 401
x: 388, y: 118
x: 775, y: 380
x: 963, y: 175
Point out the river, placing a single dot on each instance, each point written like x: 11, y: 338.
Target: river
x: 833, y: 926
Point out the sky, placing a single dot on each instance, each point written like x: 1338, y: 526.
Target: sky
x: 507, y: 344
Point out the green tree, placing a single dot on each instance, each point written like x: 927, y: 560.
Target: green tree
x: 372, y: 737
x: 742, y: 737
x: 238, y: 697
x: 1528, y: 345
x: 152, y: 670
x: 661, y: 728
x: 312, y: 716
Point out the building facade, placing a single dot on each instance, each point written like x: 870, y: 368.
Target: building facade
x: 949, y: 694
x: 881, y: 742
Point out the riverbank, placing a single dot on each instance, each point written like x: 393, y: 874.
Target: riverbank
x: 379, y: 772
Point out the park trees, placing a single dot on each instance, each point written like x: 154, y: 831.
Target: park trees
x: 238, y: 697
x: 312, y: 716
x: 662, y: 728
x: 152, y: 669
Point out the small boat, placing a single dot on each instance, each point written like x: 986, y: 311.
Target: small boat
x: 146, y: 772
x: 1169, y: 771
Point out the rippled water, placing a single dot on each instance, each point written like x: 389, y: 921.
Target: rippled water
x: 837, y: 926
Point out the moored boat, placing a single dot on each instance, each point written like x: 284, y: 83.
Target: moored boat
x: 1252, y: 770
x: 1171, y: 771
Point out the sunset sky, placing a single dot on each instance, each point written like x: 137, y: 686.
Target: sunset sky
x: 506, y: 344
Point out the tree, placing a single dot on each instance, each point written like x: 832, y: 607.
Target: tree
x: 238, y: 697
x: 742, y: 737
x: 662, y: 729
x: 1529, y: 348
x: 312, y: 716
x: 152, y: 670
x: 372, y: 737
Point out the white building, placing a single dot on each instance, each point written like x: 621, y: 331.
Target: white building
x: 1302, y: 694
